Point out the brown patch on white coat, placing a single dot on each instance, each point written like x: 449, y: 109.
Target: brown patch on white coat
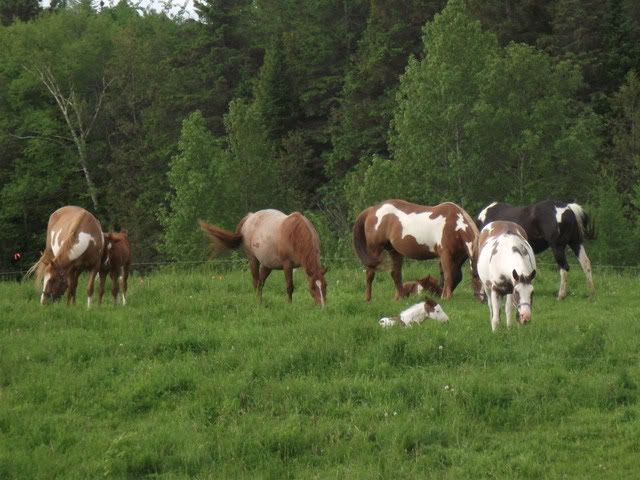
x: 74, y: 244
x: 506, y: 266
x: 416, y: 314
x: 402, y: 229
x: 116, y: 262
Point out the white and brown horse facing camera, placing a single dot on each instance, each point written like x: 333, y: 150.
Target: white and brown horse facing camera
x: 273, y: 240
x: 74, y: 244
x: 506, y: 265
x: 402, y: 229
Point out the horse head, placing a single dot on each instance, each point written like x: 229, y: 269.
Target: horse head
x: 55, y: 281
x: 318, y: 286
x: 435, y: 311
x: 523, y: 295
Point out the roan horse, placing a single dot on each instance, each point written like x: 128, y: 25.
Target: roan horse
x: 116, y: 262
x: 74, y: 244
x: 506, y: 265
x: 405, y: 229
x: 550, y: 224
x: 273, y: 240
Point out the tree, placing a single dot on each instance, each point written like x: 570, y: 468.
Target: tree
x: 198, y: 190
x: 360, y: 123
x: 435, y: 102
x: 23, y: 10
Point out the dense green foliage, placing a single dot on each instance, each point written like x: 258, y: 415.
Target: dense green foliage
x: 323, y: 107
x: 194, y: 380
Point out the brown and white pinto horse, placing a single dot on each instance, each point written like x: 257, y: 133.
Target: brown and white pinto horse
x: 506, y: 265
x: 405, y: 229
x: 116, y: 262
x: 74, y: 244
x: 273, y: 240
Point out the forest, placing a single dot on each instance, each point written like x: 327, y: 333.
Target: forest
x: 153, y: 119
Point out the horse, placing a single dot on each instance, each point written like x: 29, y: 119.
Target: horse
x: 74, y: 244
x: 273, y: 240
x: 428, y: 283
x: 550, y: 224
x: 402, y: 229
x: 416, y: 314
x: 506, y: 265
x: 116, y: 262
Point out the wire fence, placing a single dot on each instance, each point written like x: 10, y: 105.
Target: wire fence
x: 144, y: 268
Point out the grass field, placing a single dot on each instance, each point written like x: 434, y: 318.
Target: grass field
x: 194, y: 380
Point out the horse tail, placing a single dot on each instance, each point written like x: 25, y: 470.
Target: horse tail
x: 360, y: 242
x: 222, y: 240
x: 586, y: 225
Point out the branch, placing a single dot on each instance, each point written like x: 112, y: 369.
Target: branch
x: 50, y: 138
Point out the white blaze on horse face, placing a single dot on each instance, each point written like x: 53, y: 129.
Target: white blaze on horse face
x: 559, y: 212
x: 460, y: 222
x: 427, y: 231
x: 47, y: 276
x: 524, y: 306
x: 438, y: 314
x: 81, y: 245
x: 483, y: 214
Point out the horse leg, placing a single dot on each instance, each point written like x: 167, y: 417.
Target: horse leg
x: 447, y: 269
x: 102, y: 278
x: 254, y: 266
x: 288, y: 277
x: 73, y: 285
x: 495, y: 310
x: 396, y: 273
x: 124, y: 283
x: 264, y: 273
x: 585, y: 264
x: 508, y: 304
x: 561, y: 260
x: 369, y: 276
x: 114, y: 286
x: 92, y: 278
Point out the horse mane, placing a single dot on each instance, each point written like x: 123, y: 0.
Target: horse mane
x: 40, y: 266
x: 304, y: 241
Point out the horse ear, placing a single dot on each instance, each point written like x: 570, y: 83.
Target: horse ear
x: 532, y: 276
x: 515, y: 275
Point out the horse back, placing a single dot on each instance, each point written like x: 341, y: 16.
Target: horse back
x: 74, y: 236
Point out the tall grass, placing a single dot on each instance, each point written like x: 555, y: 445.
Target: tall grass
x: 193, y: 379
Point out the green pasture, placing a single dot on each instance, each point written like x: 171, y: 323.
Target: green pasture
x: 194, y: 380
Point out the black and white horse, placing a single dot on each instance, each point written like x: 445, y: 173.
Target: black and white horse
x: 549, y: 224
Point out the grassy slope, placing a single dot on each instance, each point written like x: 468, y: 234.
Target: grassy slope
x: 193, y: 379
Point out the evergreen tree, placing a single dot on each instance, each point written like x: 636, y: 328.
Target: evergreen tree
x: 11, y: 10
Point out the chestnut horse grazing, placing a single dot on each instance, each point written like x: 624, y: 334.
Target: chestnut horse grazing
x: 506, y: 266
x: 116, y: 262
x: 404, y: 229
x: 74, y: 244
x: 273, y: 240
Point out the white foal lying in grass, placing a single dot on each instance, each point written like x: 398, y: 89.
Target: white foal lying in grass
x: 416, y: 314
